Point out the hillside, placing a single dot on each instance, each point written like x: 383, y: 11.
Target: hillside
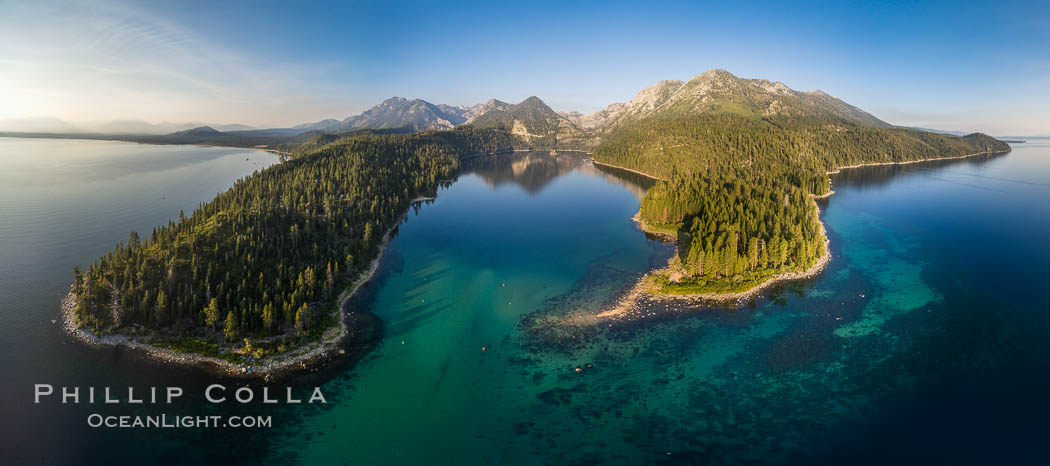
x: 473, y: 112
x: 325, y: 124
x: 535, y: 123
x: 470, y: 113
x: 198, y: 132
x: 718, y: 91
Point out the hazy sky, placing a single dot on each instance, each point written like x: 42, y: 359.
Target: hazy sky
x: 951, y: 65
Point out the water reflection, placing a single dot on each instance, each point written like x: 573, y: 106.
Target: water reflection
x: 535, y: 170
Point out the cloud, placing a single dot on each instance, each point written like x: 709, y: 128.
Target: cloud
x: 86, y: 61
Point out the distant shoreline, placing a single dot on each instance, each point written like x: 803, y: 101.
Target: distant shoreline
x: 630, y: 300
x: 116, y: 138
x: 239, y: 147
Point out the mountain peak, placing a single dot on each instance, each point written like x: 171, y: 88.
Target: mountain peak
x: 715, y: 73
x: 535, y: 103
x: 400, y: 112
x: 531, y: 120
x: 667, y: 83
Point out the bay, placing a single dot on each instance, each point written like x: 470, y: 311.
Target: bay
x: 923, y: 339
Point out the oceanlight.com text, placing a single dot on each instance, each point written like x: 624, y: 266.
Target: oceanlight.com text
x: 165, y: 421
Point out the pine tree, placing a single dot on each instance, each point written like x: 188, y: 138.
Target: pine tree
x: 211, y: 313
x: 752, y: 253
x: 78, y: 280
x: 302, y: 319
x: 160, y: 309
x: 268, y: 317
x: 232, y: 326
x: 329, y: 277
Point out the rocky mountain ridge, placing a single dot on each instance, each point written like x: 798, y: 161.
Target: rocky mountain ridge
x: 717, y: 91
x: 712, y: 92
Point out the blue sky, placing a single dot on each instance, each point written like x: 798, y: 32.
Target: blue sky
x: 972, y: 66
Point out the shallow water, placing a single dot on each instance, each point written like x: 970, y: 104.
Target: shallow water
x: 924, y: 340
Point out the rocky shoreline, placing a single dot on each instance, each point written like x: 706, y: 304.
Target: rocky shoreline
x: 630, y: 303
x: 332, y: 345
x: 663, y: 236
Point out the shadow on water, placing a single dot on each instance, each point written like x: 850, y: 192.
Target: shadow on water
x: 881, y: 175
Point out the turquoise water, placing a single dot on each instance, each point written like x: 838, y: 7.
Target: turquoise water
x: 453, y: 287
x: 923, y: 341
x: 829, y: 370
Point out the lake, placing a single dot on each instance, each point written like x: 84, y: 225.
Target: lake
x: 923, y: 340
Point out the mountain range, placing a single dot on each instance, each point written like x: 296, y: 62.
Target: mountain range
x: 713, y: 92
x: 408, y: 114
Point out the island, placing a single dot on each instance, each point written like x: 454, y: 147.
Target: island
x: 254, y: 281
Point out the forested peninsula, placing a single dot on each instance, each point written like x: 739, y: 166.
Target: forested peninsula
x: 254, y: 278
x: 736, y: 193
x: 255, y: 273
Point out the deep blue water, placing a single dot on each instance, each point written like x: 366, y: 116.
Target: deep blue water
x: 924, y: 341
